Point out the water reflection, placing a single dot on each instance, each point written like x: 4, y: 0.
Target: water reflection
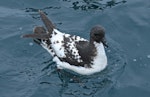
x: 94, y: 4
x: 83, y: 5
x: 36, y: 10
x: 79, y: 5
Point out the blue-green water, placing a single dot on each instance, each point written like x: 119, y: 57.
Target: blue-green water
x: 26, y: 69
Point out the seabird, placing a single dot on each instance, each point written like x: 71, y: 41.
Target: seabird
x: 70, y: 51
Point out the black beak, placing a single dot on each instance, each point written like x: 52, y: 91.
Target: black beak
x: 104, y: 42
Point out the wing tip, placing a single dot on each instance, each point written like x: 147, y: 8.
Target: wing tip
x: 48, y: 23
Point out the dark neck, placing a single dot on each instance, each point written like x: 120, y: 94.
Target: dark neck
x: 92, y: 47
x: 92, y: 42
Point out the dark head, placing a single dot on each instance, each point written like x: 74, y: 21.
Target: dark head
x: 97, y: 34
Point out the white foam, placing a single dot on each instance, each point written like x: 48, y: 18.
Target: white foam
x: 148, y: 56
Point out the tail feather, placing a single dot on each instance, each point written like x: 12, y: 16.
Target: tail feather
x: 39, y: 33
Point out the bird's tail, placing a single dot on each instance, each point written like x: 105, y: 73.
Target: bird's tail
x: 40, y: 32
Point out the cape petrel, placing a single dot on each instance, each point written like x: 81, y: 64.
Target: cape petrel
x: 70, y: 51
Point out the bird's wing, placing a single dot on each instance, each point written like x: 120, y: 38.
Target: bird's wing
x: 71, y: 51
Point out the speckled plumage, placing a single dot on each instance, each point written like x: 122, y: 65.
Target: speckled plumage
x: 71, y: 51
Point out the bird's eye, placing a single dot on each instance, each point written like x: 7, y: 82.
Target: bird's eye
x: 95, y: 34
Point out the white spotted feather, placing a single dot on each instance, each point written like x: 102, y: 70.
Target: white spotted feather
x: 57, y: 45
x: 100, y: 61
x: 70, y: 51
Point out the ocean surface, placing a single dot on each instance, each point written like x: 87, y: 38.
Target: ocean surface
x: 27, y: 70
